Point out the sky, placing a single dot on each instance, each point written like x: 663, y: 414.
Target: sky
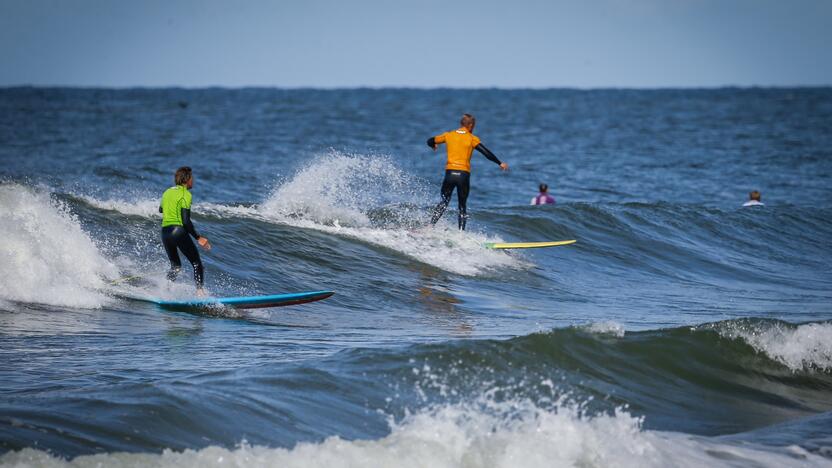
x: 413, y: 43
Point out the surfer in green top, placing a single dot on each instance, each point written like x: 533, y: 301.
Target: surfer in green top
x: 177, y: 225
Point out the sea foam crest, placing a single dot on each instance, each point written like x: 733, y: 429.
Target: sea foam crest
x: 507, y: 434
x: 799, y: 347
x: 45, y: 256
x: 145, y: 208
x: 607, y: 327
x: 341, y: 188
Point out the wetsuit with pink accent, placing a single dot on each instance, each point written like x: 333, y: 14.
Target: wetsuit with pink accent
x: 543, y: 198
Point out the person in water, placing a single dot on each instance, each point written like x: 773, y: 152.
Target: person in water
x: 754, y: 199
x: 543, y: 198
x: 460, y: 144
x: 177, y: 225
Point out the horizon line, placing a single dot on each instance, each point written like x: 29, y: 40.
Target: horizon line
x: 413, y: 88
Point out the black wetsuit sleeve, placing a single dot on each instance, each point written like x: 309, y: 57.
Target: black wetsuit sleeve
x: 432, y: 142
x: 487, y: 153
x: 186, y: 222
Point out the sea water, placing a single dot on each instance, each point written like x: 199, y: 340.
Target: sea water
x: 680, y: 330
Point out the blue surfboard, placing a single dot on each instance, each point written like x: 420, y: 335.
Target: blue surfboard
x: 241, y: 302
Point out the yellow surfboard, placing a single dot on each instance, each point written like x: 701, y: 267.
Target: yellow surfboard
x: 526, y: 245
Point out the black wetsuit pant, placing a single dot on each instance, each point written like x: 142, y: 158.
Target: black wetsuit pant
x: 461, y: 181
x: 176, y: 237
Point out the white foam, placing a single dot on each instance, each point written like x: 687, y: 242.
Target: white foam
x: 798, y: 347
x: 222, y: 211
x: 508, y: 434
x: 338, y: 187
x: 45, y: 256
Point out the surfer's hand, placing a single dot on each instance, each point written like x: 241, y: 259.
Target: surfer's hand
x: 504, y: 166
x: 203, y: 242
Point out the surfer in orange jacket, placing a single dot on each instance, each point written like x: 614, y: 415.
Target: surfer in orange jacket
x: 460, y: 144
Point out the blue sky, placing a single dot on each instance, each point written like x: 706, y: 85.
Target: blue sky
x: 326, y: 43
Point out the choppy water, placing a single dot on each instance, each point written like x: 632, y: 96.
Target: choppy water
x: 680, y: 330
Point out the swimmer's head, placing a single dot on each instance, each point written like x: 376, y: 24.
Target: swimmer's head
x: 184, y: 176
x: 544, y: 188
x: 468, y: 121
x: 755, y: 195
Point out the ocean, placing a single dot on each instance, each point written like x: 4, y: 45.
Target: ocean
x: 680, y: 330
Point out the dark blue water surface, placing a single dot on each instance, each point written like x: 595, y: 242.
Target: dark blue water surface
x: 680, y: 329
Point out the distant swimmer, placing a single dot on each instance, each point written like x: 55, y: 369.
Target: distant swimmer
x: 460, y: 144
x: 176, y: 226
x: 754, y: 199
x: 543, y: 198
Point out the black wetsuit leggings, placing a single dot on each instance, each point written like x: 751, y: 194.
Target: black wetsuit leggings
x: 461, y: 181
x: 174, y: 237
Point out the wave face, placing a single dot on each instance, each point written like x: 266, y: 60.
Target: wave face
x: 680, y: 330
x: 370, y: 200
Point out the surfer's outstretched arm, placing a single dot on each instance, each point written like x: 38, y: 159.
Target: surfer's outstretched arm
x: 433, y: 142
x: 491, y: 156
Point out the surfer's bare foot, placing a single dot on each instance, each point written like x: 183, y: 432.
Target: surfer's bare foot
x: 200, y: 292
